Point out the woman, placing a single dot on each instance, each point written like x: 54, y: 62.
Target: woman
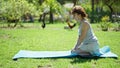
x: 87, y: 43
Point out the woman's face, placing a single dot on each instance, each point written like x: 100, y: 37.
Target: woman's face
x: 77, y: 16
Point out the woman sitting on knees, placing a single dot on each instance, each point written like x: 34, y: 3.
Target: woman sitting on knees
x: 87, y: 43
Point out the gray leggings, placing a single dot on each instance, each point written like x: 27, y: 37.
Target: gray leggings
x: 92, y: 48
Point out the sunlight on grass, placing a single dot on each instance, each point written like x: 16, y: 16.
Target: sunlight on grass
x: 53, y: 37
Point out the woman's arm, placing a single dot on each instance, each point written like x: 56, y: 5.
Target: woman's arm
x: 80, y: 39
x: 70, y: 26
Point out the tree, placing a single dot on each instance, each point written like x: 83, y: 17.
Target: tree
x: 75, y: 2
x: 61, y: 2
x: 51, y: 6
x: 92, y: 16
x: 112, y: 5
x: 1, y: 1
x: 14, y: 9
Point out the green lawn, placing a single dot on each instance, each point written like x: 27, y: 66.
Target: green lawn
x: 53, y: 38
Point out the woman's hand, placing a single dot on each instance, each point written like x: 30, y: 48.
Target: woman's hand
x: 75, y: 49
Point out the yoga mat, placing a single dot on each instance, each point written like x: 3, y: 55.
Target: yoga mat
x: 105, y: 52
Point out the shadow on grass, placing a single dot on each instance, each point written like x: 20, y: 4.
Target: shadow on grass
x: 80, y: 59
x: 76, y: 59
x: 18, y: 27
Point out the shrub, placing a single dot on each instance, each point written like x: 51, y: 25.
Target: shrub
x: 12, y: 10
x: 116, y: 26
x: 105, y: 24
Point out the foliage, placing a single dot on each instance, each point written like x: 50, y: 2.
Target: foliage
x: 111, y: 3
x: 105, y: 19
x: 117, y: 26
x: 105, y: 24
x: 37, y: 4
x: 14, y: 9
x: 87, y: 7
x: 51, y: 5
x: 61, y: 2
x: 106, y: 7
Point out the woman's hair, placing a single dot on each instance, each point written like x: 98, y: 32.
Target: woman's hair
x: 79, y: 10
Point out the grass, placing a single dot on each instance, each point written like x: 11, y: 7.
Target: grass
x: 53, y: 38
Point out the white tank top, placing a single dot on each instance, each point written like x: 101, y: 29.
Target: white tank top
x: 90, y: 37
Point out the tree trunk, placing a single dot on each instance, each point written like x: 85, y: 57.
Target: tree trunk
x: 75, y: 2
x: 41, y: 1
x: 111, y: 12
x: 92, y: 16
x: 51, y: 16
x: 61, y: 2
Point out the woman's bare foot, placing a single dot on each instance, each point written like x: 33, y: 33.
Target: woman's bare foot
x: 81, y: 53
x: 84, y: 54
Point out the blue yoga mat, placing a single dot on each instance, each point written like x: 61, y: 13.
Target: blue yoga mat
x: 105, y: 52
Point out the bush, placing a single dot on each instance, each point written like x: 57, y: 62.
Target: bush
x: 12, y: 10
x: 105, y: 24
x: 116, y: 26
